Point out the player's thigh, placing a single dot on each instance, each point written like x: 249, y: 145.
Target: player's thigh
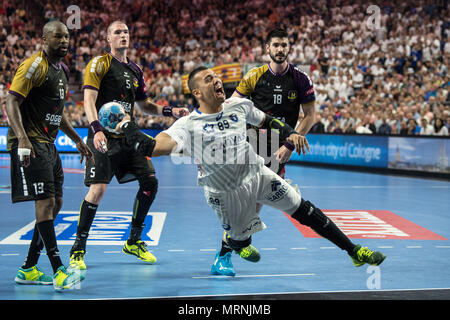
x: 276, y: 192
x: 133, y: 166
x: 42, y: 179
x: 236, y: 211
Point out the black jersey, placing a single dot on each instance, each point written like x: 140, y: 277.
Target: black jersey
x: 43, y: 86
x: 115, y: 81
x: 279, y: 95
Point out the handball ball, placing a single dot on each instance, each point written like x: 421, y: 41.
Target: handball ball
x: 110, y: 114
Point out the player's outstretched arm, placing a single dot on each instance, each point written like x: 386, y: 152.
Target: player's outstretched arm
x: 161, y: 145
x: 150, y: 107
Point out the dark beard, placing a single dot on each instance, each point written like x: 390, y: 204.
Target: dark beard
x: 277, y: 59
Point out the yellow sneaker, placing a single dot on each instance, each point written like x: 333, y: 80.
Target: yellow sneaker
x: 64, y: 279
x: 77, y: 260
x: 33, y: 275
x: 138, y: 249
x: 249, y: 253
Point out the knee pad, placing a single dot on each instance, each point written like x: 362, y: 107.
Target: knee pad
x: 310, y: 216
x: 148, y: 185
x: 238, y: 244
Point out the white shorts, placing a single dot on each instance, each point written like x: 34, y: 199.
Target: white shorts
x: 236, y: 209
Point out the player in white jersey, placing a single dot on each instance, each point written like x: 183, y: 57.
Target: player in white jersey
x: 233, y: 175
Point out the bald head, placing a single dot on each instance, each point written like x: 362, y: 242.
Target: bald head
x: 113, y: 24
x: 56, y: 39
x: 52, y: 27
x: 118, y: 37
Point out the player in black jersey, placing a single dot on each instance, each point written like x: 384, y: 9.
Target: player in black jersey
x: 113, y: 77
x: 35, y: 105
x: 279, y: 89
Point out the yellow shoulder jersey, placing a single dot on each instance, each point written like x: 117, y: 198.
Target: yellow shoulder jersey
x: 43, y: 86
x: 279, y: 95
x: 115, y: 81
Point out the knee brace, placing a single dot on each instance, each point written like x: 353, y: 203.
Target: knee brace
x: 148, y: 185
x: 311, y: 216
x: 238, y: 244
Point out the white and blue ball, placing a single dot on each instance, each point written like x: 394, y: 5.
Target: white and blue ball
x: 110, y: 114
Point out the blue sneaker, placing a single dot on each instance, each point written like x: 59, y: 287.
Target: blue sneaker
x: 222, y: 265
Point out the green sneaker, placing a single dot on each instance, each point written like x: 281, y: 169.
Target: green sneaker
x: 64, y: 279
x: 77, y: 260
x: 138, y: 249
x: 32, y: 275
x: 362, y: 255
x: 249, y: 253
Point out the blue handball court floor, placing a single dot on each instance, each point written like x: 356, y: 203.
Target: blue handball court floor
x: 407, y: 218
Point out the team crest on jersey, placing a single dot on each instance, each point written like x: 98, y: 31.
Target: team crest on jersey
x: 135, y: 83
x: 292, y: 95
x: 208, y: 128
x: 233, y: 117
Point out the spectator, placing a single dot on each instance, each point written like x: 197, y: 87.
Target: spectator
x: 439, y: 128
x: 385, y: 128
x: 426, y: 128
x: 318, y: 126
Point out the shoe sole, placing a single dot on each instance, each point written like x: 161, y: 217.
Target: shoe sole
x: 76, y: 267
x: 67, y: 286
x: 215, y: 273
x: 31, y: 282
x: 134, y: 254
x: 372, y: 264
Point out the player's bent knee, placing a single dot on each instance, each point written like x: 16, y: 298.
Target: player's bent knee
x: 44, y: 209
x: 95, y: 193
x: 149, y: 184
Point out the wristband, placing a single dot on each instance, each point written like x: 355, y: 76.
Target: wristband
x: 23, y: 152
x: 96, y: 126
x: 290, y: 146
x: 167, y: 111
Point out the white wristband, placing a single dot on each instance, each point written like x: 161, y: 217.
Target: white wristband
x: 23, y: 152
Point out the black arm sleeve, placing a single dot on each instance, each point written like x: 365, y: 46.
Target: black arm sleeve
x: 284, y: 129
x: 139, y: 141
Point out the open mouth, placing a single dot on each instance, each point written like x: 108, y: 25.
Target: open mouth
x: 219, y: 91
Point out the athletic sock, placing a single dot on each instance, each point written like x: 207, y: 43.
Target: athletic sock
x: 141, y: 206
x: 34, y: 251
x: 313, y: 217
x: 225, y: 249
x: 48, y: 236
x: 86, y: 217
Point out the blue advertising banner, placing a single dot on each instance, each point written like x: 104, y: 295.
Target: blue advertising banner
x: 368, y: 151
x: 398, y: 153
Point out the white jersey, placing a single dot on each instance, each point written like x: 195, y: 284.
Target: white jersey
x: 218, y: 143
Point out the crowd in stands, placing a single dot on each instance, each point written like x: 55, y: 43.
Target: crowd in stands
x: 374, y: 73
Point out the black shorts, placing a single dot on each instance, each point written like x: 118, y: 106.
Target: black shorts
x: 120, y: 161
x: 42, y: 179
